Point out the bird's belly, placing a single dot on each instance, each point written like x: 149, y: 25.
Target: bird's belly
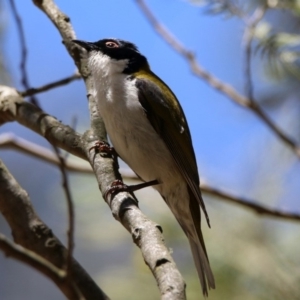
x: 139, y: 145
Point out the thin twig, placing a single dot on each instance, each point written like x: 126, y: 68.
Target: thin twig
x: 52, y: 85
x: 250, y: 204
x: 24, y: 75
x: 71, y: 215
x: 14, y: 142
x: 213, y: 81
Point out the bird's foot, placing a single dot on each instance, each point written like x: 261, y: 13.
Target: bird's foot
x: 103, y: 147
x: 118, y: 186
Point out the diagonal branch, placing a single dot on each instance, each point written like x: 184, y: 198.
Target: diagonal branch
x: 39, y: 263
x: 11, y: 141
x: 214, y: 82
x: 252, y: 205
x: 29, y: 231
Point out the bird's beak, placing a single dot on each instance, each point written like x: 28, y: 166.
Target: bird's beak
x: 88, y: 46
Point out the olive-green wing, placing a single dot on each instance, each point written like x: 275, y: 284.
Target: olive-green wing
x: 167, y: 118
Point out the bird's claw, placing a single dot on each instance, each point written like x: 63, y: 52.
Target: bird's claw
x: 116, y: 186
x: 104, y: 147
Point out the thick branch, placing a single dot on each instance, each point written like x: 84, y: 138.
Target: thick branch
x: 213, y: 81
x: 37, y: 262
x: 13, y: 108
x: 29, y: 231
x: 145, y: 233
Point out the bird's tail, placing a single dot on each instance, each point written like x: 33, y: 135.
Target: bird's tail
x: 188, y: 216
x: 198, y: 248
x: 202, y: 265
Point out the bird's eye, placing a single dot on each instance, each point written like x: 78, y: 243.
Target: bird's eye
x: 111, y: 45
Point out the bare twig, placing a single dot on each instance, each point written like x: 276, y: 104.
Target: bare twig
x: 39, y: 263
x: 71, y: 216
x: 213, y: 81
x: 52, y: 85
x: 24, y: 79
x: 13, y: 142
x: 250, y: 204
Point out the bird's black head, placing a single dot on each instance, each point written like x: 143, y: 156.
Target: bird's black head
x: 118, y: 50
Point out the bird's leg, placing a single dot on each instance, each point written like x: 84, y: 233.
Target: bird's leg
x: 118, y: 186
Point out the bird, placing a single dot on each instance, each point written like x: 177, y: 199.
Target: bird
x: 149, y: 131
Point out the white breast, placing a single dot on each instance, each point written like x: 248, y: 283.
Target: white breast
x: 130, y: 132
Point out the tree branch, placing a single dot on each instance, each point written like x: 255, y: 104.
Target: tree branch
x: 29, y: 231
x: 252, y: 205
x: 71, y: 213
x: 49, y: 86
x: 11, y: 141
x: 37, y: 262
x: 213, y: 81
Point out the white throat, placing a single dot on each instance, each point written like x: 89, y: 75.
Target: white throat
x: 102, y: 65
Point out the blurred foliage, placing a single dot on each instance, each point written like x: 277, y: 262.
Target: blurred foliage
x: 226, y: 8
x: 279, y: 44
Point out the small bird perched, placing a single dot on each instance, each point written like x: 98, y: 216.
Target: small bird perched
x: 149, y: 131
